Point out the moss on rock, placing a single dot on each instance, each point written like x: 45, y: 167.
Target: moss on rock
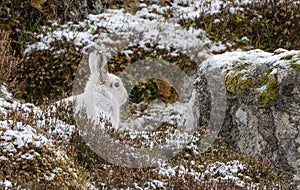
x: 261, y: 78
x: 269, y: 94
x: 239, y: 80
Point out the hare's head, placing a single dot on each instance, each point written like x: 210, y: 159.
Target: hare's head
x: 104, y: 83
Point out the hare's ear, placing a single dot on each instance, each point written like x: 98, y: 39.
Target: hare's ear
x: 98, y: 66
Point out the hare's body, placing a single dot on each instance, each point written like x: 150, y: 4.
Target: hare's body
x: 104, y: 93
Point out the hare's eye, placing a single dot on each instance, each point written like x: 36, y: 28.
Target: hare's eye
x: 116, y: 84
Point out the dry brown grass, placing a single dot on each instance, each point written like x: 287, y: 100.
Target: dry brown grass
x: 8, y: 61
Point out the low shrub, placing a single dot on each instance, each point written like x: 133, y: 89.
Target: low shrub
x: 46, y: 74
x: 268, y: 24
x: 22, y: 19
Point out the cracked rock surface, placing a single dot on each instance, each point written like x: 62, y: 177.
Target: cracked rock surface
x: 262, y: 114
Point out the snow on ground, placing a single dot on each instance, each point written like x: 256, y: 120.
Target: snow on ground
x: 18, y: 134
x: 191, y: 9
x: 23, y: 140
x: 15, y: 135
x: 210, y: 172
x: 54, y: 126
x: 154, y: 25
x: 6, y: 184
x: 280, y: 58
x: 115, y: 31
x: 124, y: 30
x: 254, y: 61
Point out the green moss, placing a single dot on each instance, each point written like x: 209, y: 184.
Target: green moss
x: 270, y: 94
x: 146, y: 91
x: 237, y: 82
x: 240, y: 67
x: 295, y: 66
x: 288, y: 57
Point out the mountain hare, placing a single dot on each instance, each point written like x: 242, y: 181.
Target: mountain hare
x: 104, y: 92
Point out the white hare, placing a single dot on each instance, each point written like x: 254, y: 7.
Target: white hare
x: 104, y: 92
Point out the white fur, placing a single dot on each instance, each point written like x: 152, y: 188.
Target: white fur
x: 104, y: 93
